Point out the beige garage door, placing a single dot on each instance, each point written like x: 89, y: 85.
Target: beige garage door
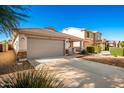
x: 39, y: 48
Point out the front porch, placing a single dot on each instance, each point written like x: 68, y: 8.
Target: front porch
x: 71, y: 49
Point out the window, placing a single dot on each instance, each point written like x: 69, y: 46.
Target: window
x: 99, y: 37
x: 91, y: 35
x: 88, y: 34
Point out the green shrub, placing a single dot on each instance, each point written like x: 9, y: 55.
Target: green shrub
x: 116, y: 51
x: 97, y: 49
x: 42, y: 78
x: 90, y: 49
x: 122, y: 43
x: 94, y: 49
x: 83, y: 51
x: 107, y: 47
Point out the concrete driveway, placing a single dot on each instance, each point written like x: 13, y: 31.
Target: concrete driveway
x: 82, y: 73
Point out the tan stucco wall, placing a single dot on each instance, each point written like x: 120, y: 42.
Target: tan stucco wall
x: 20, y: 44
x: 23, y: 42
x: 16, y: 44
x: 75, y: 32
x: 76, y: 44
x: 88, y: 43
x: 67, y: 44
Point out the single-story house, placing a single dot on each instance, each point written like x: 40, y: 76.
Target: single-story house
x: 41, y: 43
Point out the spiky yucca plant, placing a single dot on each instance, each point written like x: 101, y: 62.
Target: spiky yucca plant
x: 32, y: 79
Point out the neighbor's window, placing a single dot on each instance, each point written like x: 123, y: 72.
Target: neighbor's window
x: 99, y: 37
x: 91, y: 35
x: 88, y: 34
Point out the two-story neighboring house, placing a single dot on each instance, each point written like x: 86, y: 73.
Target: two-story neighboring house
x: 89, y: 37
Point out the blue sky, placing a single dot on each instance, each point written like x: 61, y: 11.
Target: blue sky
x: 109, y: 20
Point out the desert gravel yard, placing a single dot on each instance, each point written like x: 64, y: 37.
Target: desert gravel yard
x: 82, y: 73
x: 8, y: 63
x: 7, y: 57
x: 110, y: 60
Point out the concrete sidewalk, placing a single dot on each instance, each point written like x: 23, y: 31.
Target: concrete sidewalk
x: 83, y: 73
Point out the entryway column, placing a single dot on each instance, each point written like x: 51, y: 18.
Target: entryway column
x: 81, y: 45
x: 72, y: 47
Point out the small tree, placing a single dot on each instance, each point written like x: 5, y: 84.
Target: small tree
x: 122, y: 44
x: 118, y: 45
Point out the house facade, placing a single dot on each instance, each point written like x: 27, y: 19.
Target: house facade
x: 30, y: 43
x: 89, y: 37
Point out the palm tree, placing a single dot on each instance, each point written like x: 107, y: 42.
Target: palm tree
x: 10, y: 17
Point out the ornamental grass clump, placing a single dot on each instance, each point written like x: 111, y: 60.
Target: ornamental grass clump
x: 42, y: 78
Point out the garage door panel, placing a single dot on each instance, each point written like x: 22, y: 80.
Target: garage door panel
x: 39, y: 48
